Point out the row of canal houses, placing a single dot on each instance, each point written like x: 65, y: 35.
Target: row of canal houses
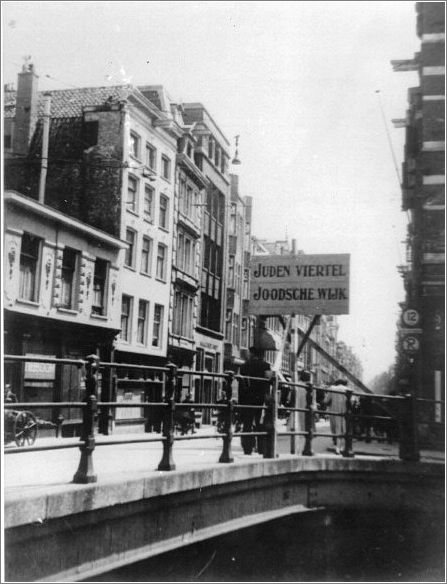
x: 126, y: 236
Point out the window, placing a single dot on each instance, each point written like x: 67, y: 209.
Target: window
x: 7, y: 141
x: 142, y: 322
x: 161, y: 262
x: 29, y: 262
x: 130, y: 251
x: 99, y: 287
x: 185, y: 253
x: 223, y: 163
x: 228, y: 325
x: 237, y: 283
x: 210, y: 148
x: 151, y: 157
x: 69, y: 266
x: 132, y: 194
x: 231, y: 271
x: 188, y: 202
x: 148, y: 203
x: 188, y: 256
x: 126, y: 311
x: 157, y: 330
x: 183, y: 315
x: 245, y: 284
x: 146, y: 255
x: 236, y: 340
x: 217, y: 155
x: 244, y: 333
x: 232, y: 228
x: 134, y: 144
x: 165, y: 167
x: 163, y: 217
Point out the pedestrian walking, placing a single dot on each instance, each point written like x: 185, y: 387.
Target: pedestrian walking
x: 253, y: 392
x: 335, y: 401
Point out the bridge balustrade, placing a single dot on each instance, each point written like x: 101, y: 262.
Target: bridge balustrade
x: 300, y: 408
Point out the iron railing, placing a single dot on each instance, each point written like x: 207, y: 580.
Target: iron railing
x: 397, y: 411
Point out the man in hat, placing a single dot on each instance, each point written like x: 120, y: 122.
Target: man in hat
x: 335, y: 401
x: 253, y: 392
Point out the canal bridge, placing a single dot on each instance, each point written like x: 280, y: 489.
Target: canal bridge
x: 78, y: 508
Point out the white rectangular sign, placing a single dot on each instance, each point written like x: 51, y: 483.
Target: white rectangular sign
x: 300, y: 284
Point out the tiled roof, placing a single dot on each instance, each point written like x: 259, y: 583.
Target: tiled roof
x: 68, y: 103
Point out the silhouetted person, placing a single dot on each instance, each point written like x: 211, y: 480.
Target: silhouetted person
x: 336, y: 404
x: 253, y: 392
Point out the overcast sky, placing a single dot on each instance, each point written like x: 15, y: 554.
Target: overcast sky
x: 298, y: 82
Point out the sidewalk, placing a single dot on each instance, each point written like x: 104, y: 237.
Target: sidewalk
x: 28, y: 472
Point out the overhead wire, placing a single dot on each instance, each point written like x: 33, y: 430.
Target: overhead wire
x: 395, y: 164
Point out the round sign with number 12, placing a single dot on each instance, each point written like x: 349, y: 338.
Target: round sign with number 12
x: 410, y: 317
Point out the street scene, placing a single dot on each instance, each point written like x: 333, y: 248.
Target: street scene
x: 223, y: 291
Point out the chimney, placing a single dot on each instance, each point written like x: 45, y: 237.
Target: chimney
x: 26, y: 109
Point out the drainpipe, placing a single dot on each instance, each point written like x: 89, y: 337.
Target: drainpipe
x: 45, y: 140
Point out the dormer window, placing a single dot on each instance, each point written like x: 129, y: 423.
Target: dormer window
x: 189, y: 151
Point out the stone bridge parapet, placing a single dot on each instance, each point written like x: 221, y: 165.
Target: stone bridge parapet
x: 73, y: 532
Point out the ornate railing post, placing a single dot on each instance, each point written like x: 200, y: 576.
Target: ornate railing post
x: 85, y: 472
x: 105, y: 415
x: 408, y: 438
x: 167, y: 462
x: 308, y: 420
x: 227, y: 455
x: 293, y: 416
x: 349, y: 426
x: 270, y: 416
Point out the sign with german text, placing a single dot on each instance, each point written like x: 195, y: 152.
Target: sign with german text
x: 300, y: 284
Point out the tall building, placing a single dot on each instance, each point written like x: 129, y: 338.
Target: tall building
x: 106, y: 156
x: 421, y: 362
x: 211, y: 156
x: 239, y: 325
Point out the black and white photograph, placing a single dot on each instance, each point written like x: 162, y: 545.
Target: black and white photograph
x: 223, y: 309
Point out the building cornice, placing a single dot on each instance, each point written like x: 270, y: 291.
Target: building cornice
x: 192, y: 170
x: 33, y: 206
